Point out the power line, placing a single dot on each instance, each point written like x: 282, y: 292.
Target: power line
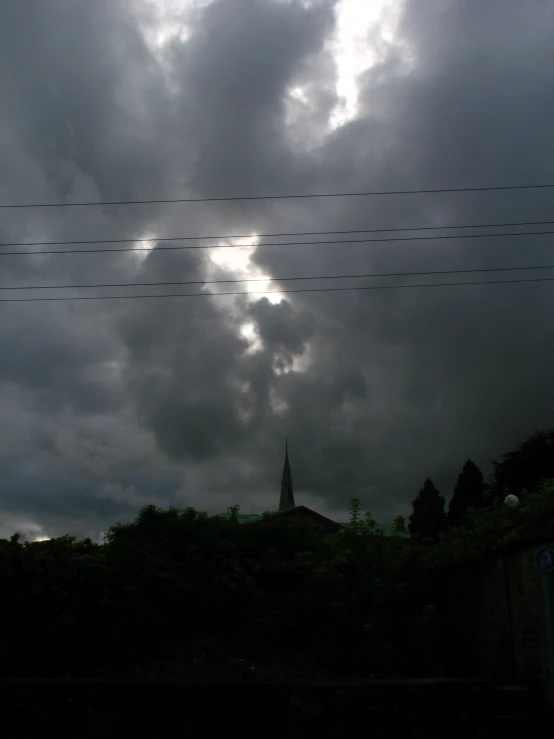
x: 277, y: 243
x: 274, y: 279
x: 278, y: 197
x: 272, y: 292
x: 271, y: 235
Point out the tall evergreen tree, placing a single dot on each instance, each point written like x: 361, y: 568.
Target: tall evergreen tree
x: 468, y: 492
x: 428, y: 517
x: 524, y: 468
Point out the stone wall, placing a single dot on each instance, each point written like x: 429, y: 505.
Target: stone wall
x: 497, y: 617
x: 496, y: 608
x: 498, y: 611
x: 529, y: 627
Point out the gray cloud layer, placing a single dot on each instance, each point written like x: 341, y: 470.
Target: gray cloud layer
x: 107, y: 405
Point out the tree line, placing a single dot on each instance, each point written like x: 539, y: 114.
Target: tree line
x: 519, y: 473
x: 176, y: 594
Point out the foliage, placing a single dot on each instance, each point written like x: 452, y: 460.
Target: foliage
x: 523, y: 469
x: 467, y: 493
x: 369, y: 522
x: 398, y: 524
x: 484, y: 532
x: 234, y: 513
x: 354, y: 512
x: 428, y: 517
x: 176, y: 594
x: 367, y: 525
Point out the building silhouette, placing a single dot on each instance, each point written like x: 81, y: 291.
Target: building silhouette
x: 287, y: 494
x: 289, y: 509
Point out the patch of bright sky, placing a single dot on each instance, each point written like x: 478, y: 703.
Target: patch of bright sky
x: 248, y: 331
x: 144, y: 246
x: 237, y: 261
x: 362, y: 27
x: 29, y: 530
x: 166, y: 23
x: 277, y: 404
x: 364, y: 30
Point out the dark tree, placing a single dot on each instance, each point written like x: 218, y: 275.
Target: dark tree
x: 398, y: 524
x: 524, y: 468
x: 468, y: 492
x: 428, y: 517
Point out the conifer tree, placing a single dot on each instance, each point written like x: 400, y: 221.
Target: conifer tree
x: 467, y: 493
x: 428, y: 517
x: 525, y: 467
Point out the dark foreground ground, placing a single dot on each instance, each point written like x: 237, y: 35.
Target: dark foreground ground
x: 379, y: 708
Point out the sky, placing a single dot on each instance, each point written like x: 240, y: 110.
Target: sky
x: 108, y: 405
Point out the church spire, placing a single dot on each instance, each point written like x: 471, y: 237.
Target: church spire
x: 287, y: 495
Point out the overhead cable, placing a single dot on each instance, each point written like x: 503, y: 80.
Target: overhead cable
x: 277, y: 197
x: 277, y: 243
x: 154, y: 239
x: 273, y: 279
x: 272, y: 292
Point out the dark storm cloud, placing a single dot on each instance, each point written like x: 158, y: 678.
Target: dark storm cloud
x: 80, y: 73
x: 106, y: 405
x: 280, y: 327
x: 478, y: 354
x: 468, y: 108
x: 237, y: 68
x: 82, y: 112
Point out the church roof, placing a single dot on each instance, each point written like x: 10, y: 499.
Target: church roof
x: 288, y: 508
x: 301, y: 511
x: 250, y: 517
x: 242, y: 517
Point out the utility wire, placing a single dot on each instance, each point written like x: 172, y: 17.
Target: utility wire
x: 272, y: 292
x: 277, y: 243
x: 272, y: 235
x: 273, y: 279
x: 277, y: 197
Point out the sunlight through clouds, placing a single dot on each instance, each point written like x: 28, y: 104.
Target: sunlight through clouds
x: 166, y: 23
x: 364, y: 32
x: 238, y: 263
x: 297, y: 93
x: 362, y: 29
x: 154, y: 101
x: 249, y: 332
x: 145, y: 245
x: 278, y: 405
x: 29, y: 530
